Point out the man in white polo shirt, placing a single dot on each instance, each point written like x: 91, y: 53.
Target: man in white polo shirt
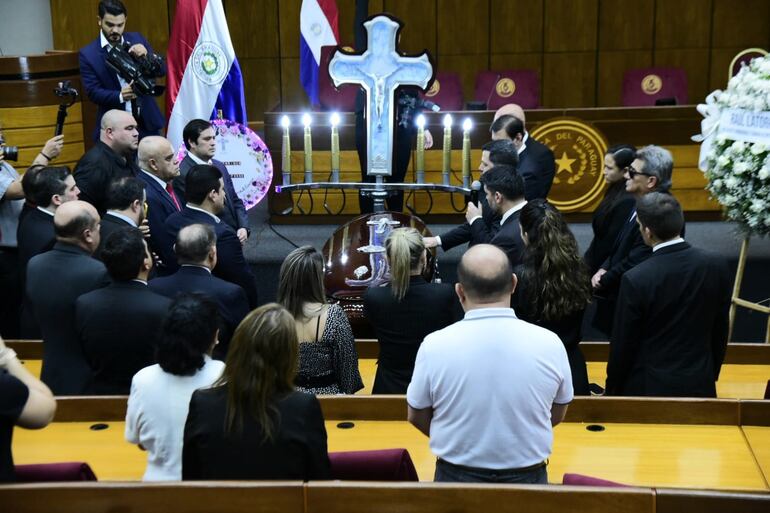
x: 489, y: 389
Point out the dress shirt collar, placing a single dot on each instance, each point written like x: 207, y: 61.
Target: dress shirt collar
x: 137, y: 280
x: 512, y: 211
x: 123, y: 217
x: 523, y: 143
x: 197, y: 266
x: 196, y: 159
x: 45, y: 211
x: 482, y: 313
x: 160, y: 182
x: 191, y: 207
x: 103, y: 40
x: 671, y: 242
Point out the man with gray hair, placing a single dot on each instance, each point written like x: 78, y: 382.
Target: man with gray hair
x: 649, y: 172
x: 488, y: 389
x: 671, y: 323
x: 196, y: 250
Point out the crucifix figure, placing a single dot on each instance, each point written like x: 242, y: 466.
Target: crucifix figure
x: 380, y: 70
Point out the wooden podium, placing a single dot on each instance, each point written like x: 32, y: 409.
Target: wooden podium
x: 28, y: 105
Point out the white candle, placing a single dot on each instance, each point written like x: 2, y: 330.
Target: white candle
x: 306, y: 120
x: 286, y: 151
x: 467, y: 125
x: 419, y: 159
x: 447, y: 155
x: 335, y: 121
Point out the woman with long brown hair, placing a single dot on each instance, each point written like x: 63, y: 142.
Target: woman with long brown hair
x: 328, y: 362
x: 252, y: 424
x: 554, y: 286
x: 406, y: 310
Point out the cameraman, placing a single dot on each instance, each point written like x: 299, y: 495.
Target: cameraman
x: 11, y: 203
x: 103, y: 85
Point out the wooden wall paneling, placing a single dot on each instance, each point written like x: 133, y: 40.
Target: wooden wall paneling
x: 253, y: 28
x: 150, y: 18
x: 419, y: 18
x: 293, y: 97
x: 288, y: 14
x: 505, y: 61
x: 682, y: 23
x: 569, y: 80
x: 570, y: 25
x: 612, y: 65
x: 626, y: 24
x: 74, y: 23
x: 695, y: 62
x: 741, y: 23
x: 463, y: 28
x: 516, y: 26
x: 347, y: 13
x: 720, y: 66
x: 262, y: 83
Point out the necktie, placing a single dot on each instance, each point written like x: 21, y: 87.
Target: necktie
x: 170, y: 190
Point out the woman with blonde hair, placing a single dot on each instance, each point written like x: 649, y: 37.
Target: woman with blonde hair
x: 328, y: 362
x: 404, y: 311
x: 252, y: 424
x: 553, y: 287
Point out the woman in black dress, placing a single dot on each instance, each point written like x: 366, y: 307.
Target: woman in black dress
x: 554, y: 287
x: 328, y: 362
x: 252, y: 424
x: 614, y: 210
x: 404, y: 311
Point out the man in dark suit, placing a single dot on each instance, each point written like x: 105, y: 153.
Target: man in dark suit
x: 196, y: 251
x: 103, y: 85
x: 111, y: 158
x: 205, y: 200
x: 55, y: 280
x: 48, y: 188
x: 536, y: 161
x: 118, y: 326
x: 493, y: 153
x: 649, y: 172
x: 200, y: 141
x: 125, y: 208
x: 504, y: 190
x: 159, y: 166
x: 671, y: 323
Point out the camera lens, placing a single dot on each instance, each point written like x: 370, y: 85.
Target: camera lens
x: 11, y: 153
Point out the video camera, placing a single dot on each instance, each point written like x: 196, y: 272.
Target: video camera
x: 139, y: 70
x: 409, y: 103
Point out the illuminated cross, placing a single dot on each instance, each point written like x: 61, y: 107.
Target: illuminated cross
x: 380, y: 70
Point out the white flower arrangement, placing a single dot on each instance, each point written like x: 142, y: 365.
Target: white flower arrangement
x: 738, y: 172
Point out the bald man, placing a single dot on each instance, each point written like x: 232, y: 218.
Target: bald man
x: 111, y: 158
x: 492, y: 379
x: 55, y: 280
x: 159, y: 166
x: 536, y: 161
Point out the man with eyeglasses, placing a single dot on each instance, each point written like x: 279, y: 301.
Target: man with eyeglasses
x: 649, y: 172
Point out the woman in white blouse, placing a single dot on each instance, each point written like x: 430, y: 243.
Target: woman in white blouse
x: 160, y: 394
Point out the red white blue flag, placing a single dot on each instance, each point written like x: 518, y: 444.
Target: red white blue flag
x: 203, y: 72
x: 318, y: 27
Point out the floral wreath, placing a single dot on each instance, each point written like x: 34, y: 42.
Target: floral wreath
x: 737, y: 167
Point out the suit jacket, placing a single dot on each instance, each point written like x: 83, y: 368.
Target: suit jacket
x: 159, y: 207
x: 231, y: 299
x: 234, y: 213
x: 109, y: 225
x: 607, y: 226
x: 231, y: 264
x: 401, y: 326
x: 35, y: 235
x: 671, y: 325
x: 537, y: 168
x: 463, y: 233
x: 508, y: 238
x: 56, y: 279
x: 118, y: 327
x: 103, y: 88
x: 96, y: 170
x: 297, y: 449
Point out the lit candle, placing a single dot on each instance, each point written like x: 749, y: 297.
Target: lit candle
x: 447, y: 160
x: 286, y: 151
x: 467, y: 124
x: 306, y: 120
x: 335, y: 120
x: 419, y: 159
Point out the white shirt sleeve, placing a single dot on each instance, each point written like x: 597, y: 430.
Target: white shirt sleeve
x: 418, y: 394
x: 132, y: 416
x: 565, y: 393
